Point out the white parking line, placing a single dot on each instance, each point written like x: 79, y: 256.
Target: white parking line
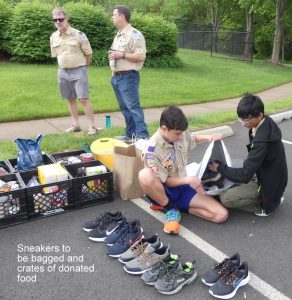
x: 287, y: 142
x: 260, y: 285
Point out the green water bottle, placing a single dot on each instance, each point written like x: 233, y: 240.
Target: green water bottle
x: 108, y: 121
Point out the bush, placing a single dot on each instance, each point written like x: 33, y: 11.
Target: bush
x: 164, y: 61
x: 29, y: 32
x: 93, y: 21
x: 160, y: 35
x: 5, y: 15
x: 264, y: 42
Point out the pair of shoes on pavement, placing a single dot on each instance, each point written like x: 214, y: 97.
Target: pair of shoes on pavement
x: 91, y: 131
x: 226, y: 277
x: 130, y: 140
x: 115, y: 230
x: 101, y: 224
x: 170, y: 276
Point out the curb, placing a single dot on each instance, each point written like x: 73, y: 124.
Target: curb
x: 286, y: 115
x: 223, y: 130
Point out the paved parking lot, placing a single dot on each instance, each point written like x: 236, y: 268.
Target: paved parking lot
x: 265, y: 243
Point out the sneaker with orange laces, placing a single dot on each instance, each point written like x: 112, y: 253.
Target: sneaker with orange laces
x: 171, y: 224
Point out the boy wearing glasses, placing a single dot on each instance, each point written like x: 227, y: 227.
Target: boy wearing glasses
x: 264, y: 175
x: 74, y: 53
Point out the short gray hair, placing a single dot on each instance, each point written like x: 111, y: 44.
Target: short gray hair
x: 59, y: 10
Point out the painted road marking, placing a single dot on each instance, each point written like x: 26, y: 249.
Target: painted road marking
x: 258, y: 284
x: 287, y: 142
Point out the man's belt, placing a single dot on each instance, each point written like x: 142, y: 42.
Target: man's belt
x: 121, y: 73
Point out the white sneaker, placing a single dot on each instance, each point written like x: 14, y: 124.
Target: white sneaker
x: 261, y: 213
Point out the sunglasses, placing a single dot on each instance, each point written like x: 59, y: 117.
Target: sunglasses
x: 59, y: 19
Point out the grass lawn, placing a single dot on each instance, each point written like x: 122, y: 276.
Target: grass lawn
x: 73, y: 141
x: 31, y: 92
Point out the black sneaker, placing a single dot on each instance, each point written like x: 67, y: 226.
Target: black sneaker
x: 221, y: 269
x: 175, y: 279
x: 90, y: 225
x: 99, y: 233
x: 227, y: 286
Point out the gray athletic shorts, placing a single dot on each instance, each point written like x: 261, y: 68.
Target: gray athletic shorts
x: 73, y: 83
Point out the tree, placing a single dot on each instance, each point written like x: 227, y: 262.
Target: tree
x: 280, y: 10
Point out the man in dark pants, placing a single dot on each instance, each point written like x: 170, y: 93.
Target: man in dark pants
x: 127, y: 55
x: 264, y: 174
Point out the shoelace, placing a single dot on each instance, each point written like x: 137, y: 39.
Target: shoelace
x: 172, y: 215
x: 231, y: 277
x: 225, y: 268
x: 170, y: 274
x: 139, y: 247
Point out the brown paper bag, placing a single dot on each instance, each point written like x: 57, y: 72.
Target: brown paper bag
x: 127, y: 164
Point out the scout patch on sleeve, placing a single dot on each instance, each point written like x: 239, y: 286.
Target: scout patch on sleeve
x: 149, y: 156
x: 83, y: 37
x: 168, y: 163
x: 137, y: 36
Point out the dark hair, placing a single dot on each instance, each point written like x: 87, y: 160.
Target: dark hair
x: 250, y: 105
x: 124, y: 10
x: 173, y: 118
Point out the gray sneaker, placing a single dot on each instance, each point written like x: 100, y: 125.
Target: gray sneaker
x: 138, y: 248
x: 149, y: 258
x: 175, y: 279
x: 152, y: 275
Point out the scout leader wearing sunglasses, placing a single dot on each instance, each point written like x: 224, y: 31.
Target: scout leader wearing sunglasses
x: 74, y: 53
x: 264, y: 175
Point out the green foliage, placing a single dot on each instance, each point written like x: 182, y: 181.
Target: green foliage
x: 93, y: 21
x: 160, y: 35
x: 99, y: 58
x: 164, y: 61
x: 263, y: 41
x: 5, y: 14
x: 29, y: 31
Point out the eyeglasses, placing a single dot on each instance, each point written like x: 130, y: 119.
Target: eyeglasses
x: 59, y: 19
x: 245, y: 121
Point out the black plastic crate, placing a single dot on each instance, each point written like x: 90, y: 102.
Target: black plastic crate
x: 13, y: 162
x: 62, y: 157
x: 13, y: 205
x: 4, y: 164
x: 42, y: 204
x: 91, y: 190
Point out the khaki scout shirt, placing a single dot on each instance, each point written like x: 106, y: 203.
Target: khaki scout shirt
x: 129, y: 40
x: 70, y: 48
x: 168, y: 159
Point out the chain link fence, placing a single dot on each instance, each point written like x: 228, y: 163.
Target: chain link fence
x: 223, y: 43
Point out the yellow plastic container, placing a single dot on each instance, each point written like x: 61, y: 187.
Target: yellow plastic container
x: 103, y: 150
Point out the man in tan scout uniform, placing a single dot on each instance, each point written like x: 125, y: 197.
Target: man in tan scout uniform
x: 164, y: 179
x: 127, y: 55
x: 73, y: 52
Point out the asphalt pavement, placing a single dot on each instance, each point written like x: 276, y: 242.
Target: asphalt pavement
x: 264, y: 242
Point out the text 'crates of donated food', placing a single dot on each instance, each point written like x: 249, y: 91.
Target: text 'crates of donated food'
x: 103, y: 150
x: 13, y: 206
x: 92, y: 183
x: 49, y: 191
